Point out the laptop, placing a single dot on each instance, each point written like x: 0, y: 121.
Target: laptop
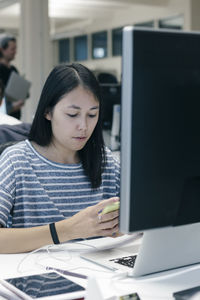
x: 159, y: 250
x: 17, y: 87
x: 114, y: 254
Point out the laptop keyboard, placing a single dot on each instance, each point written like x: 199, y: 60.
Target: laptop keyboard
x: 127, y: 261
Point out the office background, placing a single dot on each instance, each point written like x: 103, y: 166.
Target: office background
x: 88, y: 31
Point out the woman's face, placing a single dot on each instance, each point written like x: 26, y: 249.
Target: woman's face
x: 73, y: 119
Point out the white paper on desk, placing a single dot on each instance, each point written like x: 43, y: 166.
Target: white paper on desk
x: 100, y: 243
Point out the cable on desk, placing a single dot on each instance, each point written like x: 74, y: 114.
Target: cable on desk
x: 52, y: 247
x: 49, y: 249
x: 74, y: 268
x: 58, y: 249
x: 36, y: 262
x: 27, y: 255
x: 53, y: 252
x: 64, y: 260
x: 76, y: 243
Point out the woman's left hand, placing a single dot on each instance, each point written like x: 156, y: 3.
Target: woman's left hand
x: 90, y: 222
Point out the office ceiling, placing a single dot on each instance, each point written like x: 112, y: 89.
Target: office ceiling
x: 71, y: 16
x: 69, y: 12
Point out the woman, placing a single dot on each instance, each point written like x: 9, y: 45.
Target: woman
x: 54, y: 185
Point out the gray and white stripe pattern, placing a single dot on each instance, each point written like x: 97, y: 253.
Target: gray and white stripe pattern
x: 35, y: 191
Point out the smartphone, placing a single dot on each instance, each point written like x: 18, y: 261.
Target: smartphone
x: 48, y: 285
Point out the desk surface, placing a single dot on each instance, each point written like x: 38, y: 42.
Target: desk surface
x: 66, y: 256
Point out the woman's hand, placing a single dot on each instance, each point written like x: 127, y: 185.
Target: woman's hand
x: 90, y: 222
x: 87, y: 223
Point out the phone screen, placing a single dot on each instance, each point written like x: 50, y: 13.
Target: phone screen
x: 45, y: 285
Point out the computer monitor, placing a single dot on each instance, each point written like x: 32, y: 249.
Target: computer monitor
x: 160, y: 144
x: 111, y: 95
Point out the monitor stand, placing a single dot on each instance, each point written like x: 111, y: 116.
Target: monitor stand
x: 168, y: 248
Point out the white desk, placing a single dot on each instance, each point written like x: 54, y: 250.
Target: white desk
x: 152, y: 287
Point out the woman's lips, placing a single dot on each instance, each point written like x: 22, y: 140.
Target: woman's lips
x: 80, y: 138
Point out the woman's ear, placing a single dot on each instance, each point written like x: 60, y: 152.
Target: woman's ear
x: 47, y: 115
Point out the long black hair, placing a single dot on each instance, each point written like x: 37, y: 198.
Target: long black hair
x: 62, y: 80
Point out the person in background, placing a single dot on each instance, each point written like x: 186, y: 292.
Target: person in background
x: 8, y: 48
x: 1, y: 91
x: 12, y: 130
x: 55, y: 184
x: 2, y: 99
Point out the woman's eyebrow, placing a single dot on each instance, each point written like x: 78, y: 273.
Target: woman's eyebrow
x: 94, y: 107
x: 74, y: 106
x: 77, y: 107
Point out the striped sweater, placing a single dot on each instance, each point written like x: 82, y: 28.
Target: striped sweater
x: 36, y: 191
